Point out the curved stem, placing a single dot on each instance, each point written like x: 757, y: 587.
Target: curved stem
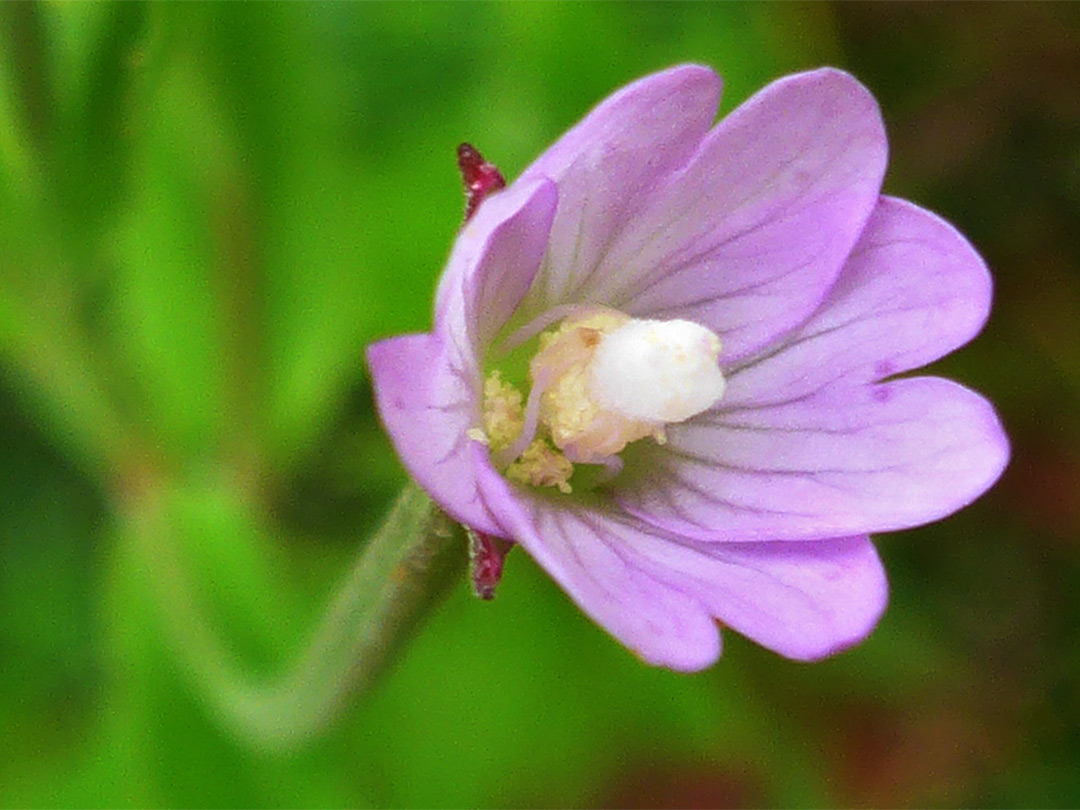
x: 404, y: 571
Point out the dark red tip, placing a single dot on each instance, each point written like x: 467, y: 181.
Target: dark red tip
x: 480, y: 177
x: 486, y: 555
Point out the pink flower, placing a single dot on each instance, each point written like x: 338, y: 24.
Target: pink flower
x: 710, y: 423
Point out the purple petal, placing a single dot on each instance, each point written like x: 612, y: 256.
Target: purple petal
x: 662, y: 624
x: 427, y: 405
x: 750, y: 235
x: 514, y: 251
x: 802, y: 600
x: 656, y: 593
x: 655, y: 116
x: 912, y: 291
x: 833, y: 464
x: 427, y: 387
x: 495, y: 257
x: 607, y: 165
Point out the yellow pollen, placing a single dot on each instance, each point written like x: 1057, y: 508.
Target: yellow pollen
x: 503, y: 419
x: 503, y: 414
x: 566, y: 408
x: 540, y: 466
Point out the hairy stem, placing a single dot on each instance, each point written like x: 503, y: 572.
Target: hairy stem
x: 402, y: 573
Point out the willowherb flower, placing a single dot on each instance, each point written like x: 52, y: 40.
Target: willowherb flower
x: 665, y: 360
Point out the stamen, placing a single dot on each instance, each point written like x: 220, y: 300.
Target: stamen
x: 528, y: 431
x: 502, y: 414
x: 540, y: 466
x: 600, y: 381
x: 539, y: 324
x: 612, y: 466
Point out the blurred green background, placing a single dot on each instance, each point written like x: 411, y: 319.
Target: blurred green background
x: 207, y: 211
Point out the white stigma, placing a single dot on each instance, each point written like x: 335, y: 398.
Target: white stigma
x: 657, y: 371
x: 600, y: 380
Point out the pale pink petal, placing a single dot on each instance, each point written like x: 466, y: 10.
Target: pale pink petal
x: 655, y: 591
x: 662, y: 624
x: 749, y: 236
x: 913, y: 290
x: 428, y: 387
x: 836, y: 463
x: 803, y: 600
x: 607, y: 165
x: 494, y: 260
x: 515, y: 248
x: 427, y: 406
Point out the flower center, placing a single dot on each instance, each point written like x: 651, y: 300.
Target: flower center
x: 600, y: 380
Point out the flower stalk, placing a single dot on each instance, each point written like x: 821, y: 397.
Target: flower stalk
x: 401, y: 575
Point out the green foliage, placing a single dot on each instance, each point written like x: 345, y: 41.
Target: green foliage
x: 206, y: 212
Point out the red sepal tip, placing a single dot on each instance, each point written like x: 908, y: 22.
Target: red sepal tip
x: 486, y: 555
x: 480, y: 177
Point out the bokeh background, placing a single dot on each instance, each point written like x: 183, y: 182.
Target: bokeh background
x: 207, y: 211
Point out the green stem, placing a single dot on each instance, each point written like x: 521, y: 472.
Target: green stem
x: 403, y: 572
